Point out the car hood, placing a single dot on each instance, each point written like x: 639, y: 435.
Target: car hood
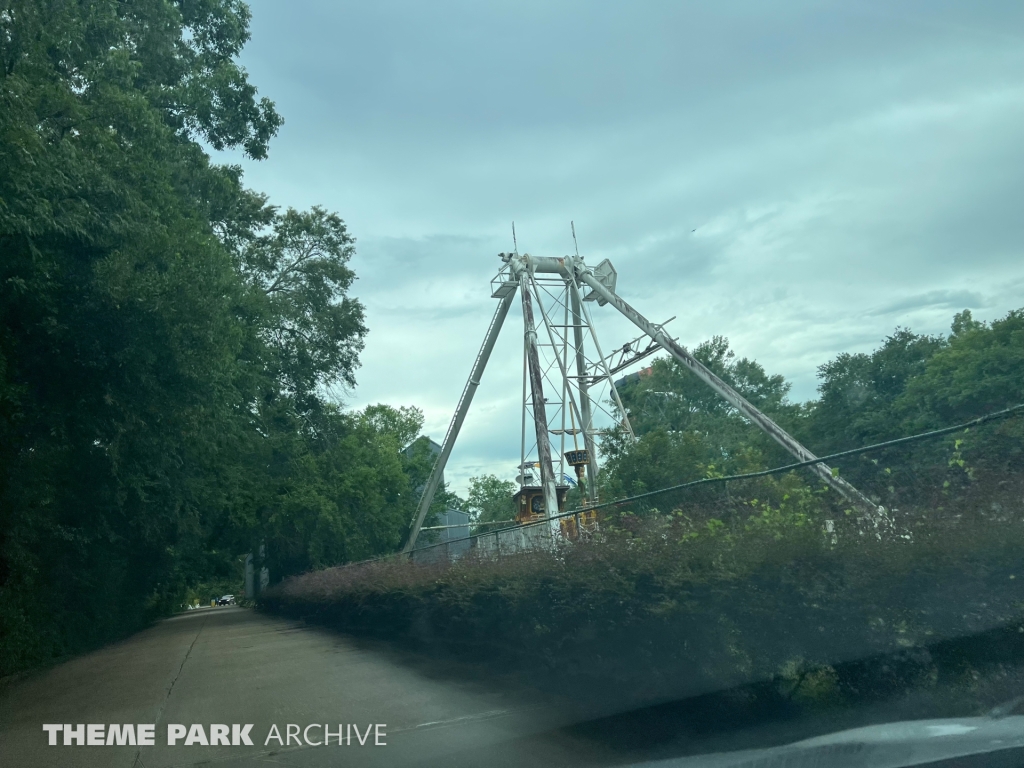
x: 891, y: 745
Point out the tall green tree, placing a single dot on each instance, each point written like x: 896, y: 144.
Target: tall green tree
x: 910, y: 384
x: 339, y: 489
x: 490, y: 499
x: 979, y: 369
x: 685, y: 430
x: 166, y: 336
x: 300, y: 275
x: 859, y: 393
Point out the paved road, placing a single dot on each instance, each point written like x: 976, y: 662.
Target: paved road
x: 231, y: 665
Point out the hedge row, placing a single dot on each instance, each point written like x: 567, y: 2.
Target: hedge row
x: 678, y: 608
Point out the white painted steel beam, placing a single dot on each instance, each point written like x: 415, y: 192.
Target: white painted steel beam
x: 876, y: 513
x: 540, y: 418
x: 585, y: 412
x: 460, y: 415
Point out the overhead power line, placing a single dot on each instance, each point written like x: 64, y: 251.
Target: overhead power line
x: 764, y: 473
x: 788, y: 467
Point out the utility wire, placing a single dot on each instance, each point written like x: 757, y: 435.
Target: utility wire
x: 788, y: 467
x: 764, y: 473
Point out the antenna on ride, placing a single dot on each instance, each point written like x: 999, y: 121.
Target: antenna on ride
x: 515, y: 245
x: 573, y: 227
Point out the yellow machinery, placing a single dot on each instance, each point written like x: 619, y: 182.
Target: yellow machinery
x: 582, y: 523
x: 579, y: 460
x: 529, y: 502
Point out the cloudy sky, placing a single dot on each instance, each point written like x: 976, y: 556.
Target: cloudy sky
x: 800, y: 177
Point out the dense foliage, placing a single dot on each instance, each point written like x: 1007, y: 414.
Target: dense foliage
x: 910, y: 384
x: 490, y: 499
x: 166, y: 336
x: 768, y: 581
x: 679, y: 607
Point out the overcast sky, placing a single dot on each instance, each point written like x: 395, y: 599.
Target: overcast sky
x: 800, y: 177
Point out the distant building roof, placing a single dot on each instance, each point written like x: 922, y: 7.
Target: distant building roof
x: 435, y: 448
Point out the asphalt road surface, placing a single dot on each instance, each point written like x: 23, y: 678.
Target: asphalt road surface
x: 233, y: 666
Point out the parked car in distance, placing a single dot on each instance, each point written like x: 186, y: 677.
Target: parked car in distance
x: 226, y: 600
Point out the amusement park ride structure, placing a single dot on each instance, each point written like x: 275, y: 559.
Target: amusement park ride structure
x: 561, y: 350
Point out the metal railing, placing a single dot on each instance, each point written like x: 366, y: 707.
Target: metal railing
x: 514, y: 539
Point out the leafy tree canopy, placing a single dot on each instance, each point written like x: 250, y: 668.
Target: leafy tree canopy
x: 685, y: 430
x: 909, y: 384
x: 167, y: 336
x: 490, y: 499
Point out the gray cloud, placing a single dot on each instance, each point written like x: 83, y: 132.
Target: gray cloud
x: 955, y: 300
x: 801, y: 177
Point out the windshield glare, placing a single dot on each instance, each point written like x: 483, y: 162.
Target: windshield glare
x: 511, y: 384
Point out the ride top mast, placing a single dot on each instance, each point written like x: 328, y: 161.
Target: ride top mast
x: 568, y: 357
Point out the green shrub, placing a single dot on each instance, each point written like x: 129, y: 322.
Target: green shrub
x: 669, y: 605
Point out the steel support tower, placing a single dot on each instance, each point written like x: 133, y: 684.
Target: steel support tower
x: 563, y: 367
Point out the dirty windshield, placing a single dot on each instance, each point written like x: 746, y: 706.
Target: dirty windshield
x: 511, y: 384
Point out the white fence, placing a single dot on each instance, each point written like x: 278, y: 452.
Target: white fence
x: 541, y: 534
